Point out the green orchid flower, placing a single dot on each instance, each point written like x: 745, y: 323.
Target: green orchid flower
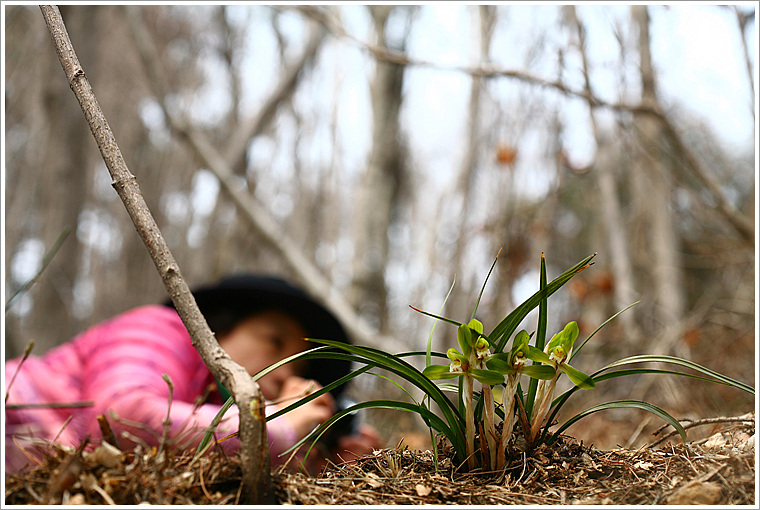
x: 468, y: 361
x: 471, y: 364
x: 558, y: 351
x: 513, y: 365
x: 560, y: 348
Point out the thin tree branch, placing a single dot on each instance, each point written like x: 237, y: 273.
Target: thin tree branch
x: 738, y: 221
x: 45, y: 262
x: 236, y: 147
x: 285, y: 247
x: 743, y: 226
x: 255, y: 461
x: 483, y: 70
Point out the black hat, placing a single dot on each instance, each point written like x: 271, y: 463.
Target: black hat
x: 237, y: 297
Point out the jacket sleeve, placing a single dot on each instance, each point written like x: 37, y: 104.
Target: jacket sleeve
x: 126, y: 359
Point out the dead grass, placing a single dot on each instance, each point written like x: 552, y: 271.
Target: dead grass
x: 719, y: 470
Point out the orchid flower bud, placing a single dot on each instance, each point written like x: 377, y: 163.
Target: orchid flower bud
x: 481, y: 348
x: 518, y: 359
x: 558, y: 354
x: 457, y: 360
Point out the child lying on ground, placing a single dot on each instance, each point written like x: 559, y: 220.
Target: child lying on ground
x: 118, y: 366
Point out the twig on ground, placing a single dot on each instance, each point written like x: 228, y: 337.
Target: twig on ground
x: 696, y: 423
x: 68, y: 472
x: 162, y: 457
x: 203, y: 484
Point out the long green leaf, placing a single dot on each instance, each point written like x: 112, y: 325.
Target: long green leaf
x: 600, y: 375
x: 651, y: 358
x: 230, y: 401
x: 209, y: 435
x: 390, y: 362
x: 430, y: 336
x: 316, y: 394
x: 543, y: 310
x: 285, y: 361
x: 506, y: 327
x: 619, y: 404
x: 400, y: 367
x: 477, y: 303
x: 438, y: 317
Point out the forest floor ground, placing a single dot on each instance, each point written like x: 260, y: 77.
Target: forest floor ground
x: 716, y: 470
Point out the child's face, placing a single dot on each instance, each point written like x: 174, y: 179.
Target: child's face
x: 264, y: 339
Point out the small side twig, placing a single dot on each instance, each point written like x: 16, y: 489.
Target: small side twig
x: 27, y: 352
x: 135, y: 424
x: 46, y: 259
x: 162, y: 456
x: 107, y: 432
x: 167, y: 421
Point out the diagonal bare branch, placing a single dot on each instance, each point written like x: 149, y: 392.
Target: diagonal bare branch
x: 285, y: 247
x: 254, y: 452
x: 253, y: 213
x: 236, y: 147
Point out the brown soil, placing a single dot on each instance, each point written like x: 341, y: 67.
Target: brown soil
x: 719, y: 470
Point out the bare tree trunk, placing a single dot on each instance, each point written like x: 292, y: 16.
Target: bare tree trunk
x: 462, y: 300
x: 377, y: 198
x: 612, y: 216
x: 653, y: 184
x: 255, y: 461
x: 742, y: 20
x: 663, y: 238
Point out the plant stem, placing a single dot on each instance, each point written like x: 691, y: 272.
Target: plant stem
x: 469, y: 421
x: 543, y: 408
x: 490, y: 429
x: 508, y: 401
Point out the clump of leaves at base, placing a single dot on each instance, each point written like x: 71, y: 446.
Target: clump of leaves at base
x: 483, y: 359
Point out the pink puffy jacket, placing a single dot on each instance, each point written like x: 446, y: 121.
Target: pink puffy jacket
x: 118, y: 365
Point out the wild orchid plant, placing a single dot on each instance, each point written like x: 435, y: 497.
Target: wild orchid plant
x: 482, y: 357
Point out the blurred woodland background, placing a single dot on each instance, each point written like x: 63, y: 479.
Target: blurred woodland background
x: 389, y: 165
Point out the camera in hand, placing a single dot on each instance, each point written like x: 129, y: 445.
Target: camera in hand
x: 346, y: 426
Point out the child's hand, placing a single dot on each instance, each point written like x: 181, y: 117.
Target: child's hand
x: 357, y: 445
x: 306, y: 417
